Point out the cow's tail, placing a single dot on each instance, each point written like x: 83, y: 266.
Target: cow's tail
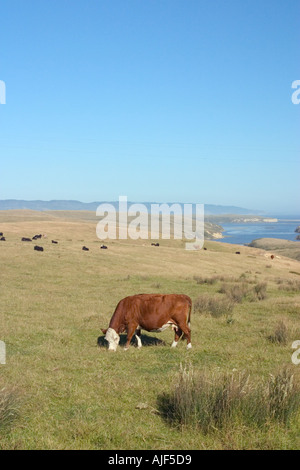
x: 189, y: 315
x: 188, y: 320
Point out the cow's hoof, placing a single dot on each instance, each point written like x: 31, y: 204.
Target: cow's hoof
x: 189, y: 346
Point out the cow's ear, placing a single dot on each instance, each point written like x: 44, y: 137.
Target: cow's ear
x: 104, y: 330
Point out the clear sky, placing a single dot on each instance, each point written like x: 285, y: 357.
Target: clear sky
x: 158, y: 100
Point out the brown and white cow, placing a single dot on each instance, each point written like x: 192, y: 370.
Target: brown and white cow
x: 150, y: 312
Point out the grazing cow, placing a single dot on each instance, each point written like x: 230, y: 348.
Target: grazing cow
x: 3, y: 239
x: 237, y: 252
x: 154, y: 244
x: 150, y: 312
x: 204, y: 249
x: 85, y: 248
x: 36, y: 237
x: 103, y: 247
x: 38, y: 248
x: 54, y: 241
x: 1, y: 234
x: 272, y: 256
x: 24, y: 239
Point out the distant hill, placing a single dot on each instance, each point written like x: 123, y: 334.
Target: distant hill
x: 278, y: 246
x: 8, y: 204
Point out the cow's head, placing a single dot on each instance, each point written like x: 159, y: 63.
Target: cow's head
x: 112, y: 338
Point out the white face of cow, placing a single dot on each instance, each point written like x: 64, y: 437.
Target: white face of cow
x: 113, y: 339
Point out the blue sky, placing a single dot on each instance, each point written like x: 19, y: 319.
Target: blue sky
x: 158, y: 100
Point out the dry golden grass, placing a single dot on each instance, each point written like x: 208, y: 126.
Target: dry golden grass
x: 279, y: 247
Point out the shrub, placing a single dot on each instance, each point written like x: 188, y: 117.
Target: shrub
x: 207, y: 402
x: 8, y: 407
x: 283, y: 400
x: 205, y: 280
x: 236, y: 293
x: 260, y: 290
x: 277, y: 400
x: 239, y: 292
x: 215, y: 305
x: 212, y: 280
x: 156, y: 285
x: 280, y: 334
x: 291, y: 285
x: 214, y: 402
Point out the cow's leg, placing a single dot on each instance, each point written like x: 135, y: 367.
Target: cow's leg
x: 187, y: 333
x: 178, y: 333
x: 130, y: 332
x: 138, y: 337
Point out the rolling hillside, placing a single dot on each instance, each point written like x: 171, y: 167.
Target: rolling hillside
x: 278, y: 246
x: 60, y: 384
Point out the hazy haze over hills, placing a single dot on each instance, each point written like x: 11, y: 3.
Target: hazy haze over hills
x: 39, y: 205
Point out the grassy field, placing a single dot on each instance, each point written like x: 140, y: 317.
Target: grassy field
x: 61, y: 389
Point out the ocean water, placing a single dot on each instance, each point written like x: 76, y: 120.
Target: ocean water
x: 242, y: 234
